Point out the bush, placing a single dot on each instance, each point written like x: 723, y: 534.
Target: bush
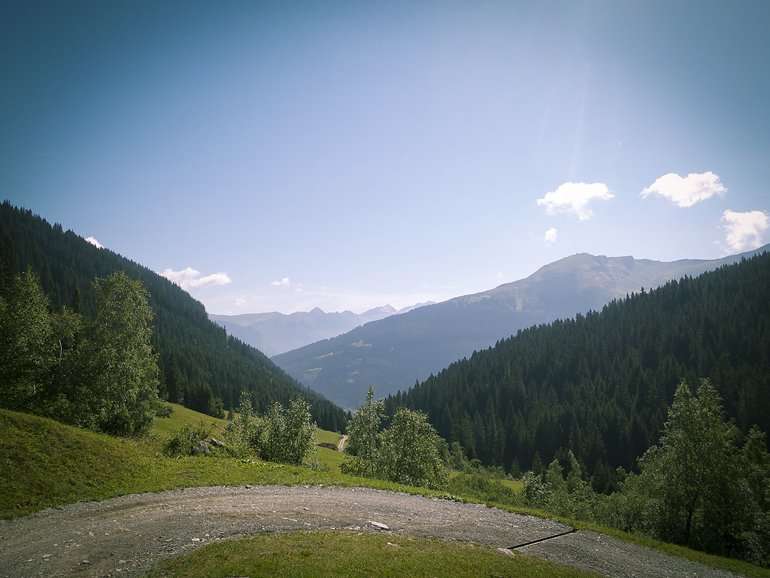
x: 283, y: 435
x: 164, y: 410
x: 364, y: 438
x: 188, y: 441
x: 288, y: 433
x: 408, y: 452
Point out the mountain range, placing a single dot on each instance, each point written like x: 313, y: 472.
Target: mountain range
x: 274, y: 333
x: 394, y: 352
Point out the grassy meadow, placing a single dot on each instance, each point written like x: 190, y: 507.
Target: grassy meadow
x: 44, y: 463
x: 348, y: 555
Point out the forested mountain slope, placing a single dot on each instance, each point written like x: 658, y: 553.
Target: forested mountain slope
x: 599, y: 384
x: 198, y: 360
x: 395, y: 352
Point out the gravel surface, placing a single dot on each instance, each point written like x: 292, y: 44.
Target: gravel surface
x: 125, y: 536
x: 612, y: 557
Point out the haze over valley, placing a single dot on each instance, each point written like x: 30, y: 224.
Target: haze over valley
x: 274, y: 333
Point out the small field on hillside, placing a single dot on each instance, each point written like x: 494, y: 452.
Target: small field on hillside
x: 164, y: 427
x: 348, y: 555
x: 45, y: 463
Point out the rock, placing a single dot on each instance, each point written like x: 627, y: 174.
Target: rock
x: 85, y: 562
x: 378, y: 525
x: 505, y: 551
x: 202, y: 448
x: 216, y: 443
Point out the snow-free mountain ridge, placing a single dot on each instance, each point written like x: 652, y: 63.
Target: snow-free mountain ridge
x: 394, y: 352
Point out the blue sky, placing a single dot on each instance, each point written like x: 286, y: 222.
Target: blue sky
x: 350, y: 154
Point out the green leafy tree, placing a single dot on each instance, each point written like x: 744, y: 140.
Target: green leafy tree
x: 285, y: 434
x: 26, y: 343
x: 410, y: 453
x: 692, y: 477
x: 68, y: 338
x: 120, y: 366
x: 244, y: 431
x: 364, y: 437
x: 756, y: 467
x: 299, y: 431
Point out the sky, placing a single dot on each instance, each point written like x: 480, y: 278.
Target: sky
x: 283, y: 156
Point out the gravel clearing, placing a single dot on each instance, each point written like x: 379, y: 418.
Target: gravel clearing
x: 125, y: 536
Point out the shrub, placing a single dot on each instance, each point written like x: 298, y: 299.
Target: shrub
x: 283, y: 435
x: 288, y: 432
x: 164, y: 410
x: 408, y: 452
x: 188, y: 441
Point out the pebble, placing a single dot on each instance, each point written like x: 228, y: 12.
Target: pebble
x: 378, y: 525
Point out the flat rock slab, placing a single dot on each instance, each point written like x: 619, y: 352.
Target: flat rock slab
x: 125, y: 536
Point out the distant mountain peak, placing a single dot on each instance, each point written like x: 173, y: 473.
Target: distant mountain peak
x: 386, y: 309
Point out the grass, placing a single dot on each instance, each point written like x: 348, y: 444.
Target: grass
x: 347, y: 555
x: 163, y: 427
x: 515, y: 485
x: 44, y: 463
x: 329, y: 437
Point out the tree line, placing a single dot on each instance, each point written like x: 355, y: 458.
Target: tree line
x: 200, y: 366
x: 599, y: 384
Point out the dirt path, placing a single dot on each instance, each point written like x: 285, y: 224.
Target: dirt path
x: 341, y: 443
x: 126, y: 536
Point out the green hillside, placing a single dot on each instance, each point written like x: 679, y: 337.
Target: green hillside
x: 199, y: 362
x: 45, y: 463
x: 600, y: 384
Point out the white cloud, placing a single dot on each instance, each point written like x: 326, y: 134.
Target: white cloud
x: 551, y: 235
x: 190, y: 278
x: 282, y: 282
x: 575, y: 198
x: 744, y: 230
x: 95, y: 242
x: 686, y: 191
